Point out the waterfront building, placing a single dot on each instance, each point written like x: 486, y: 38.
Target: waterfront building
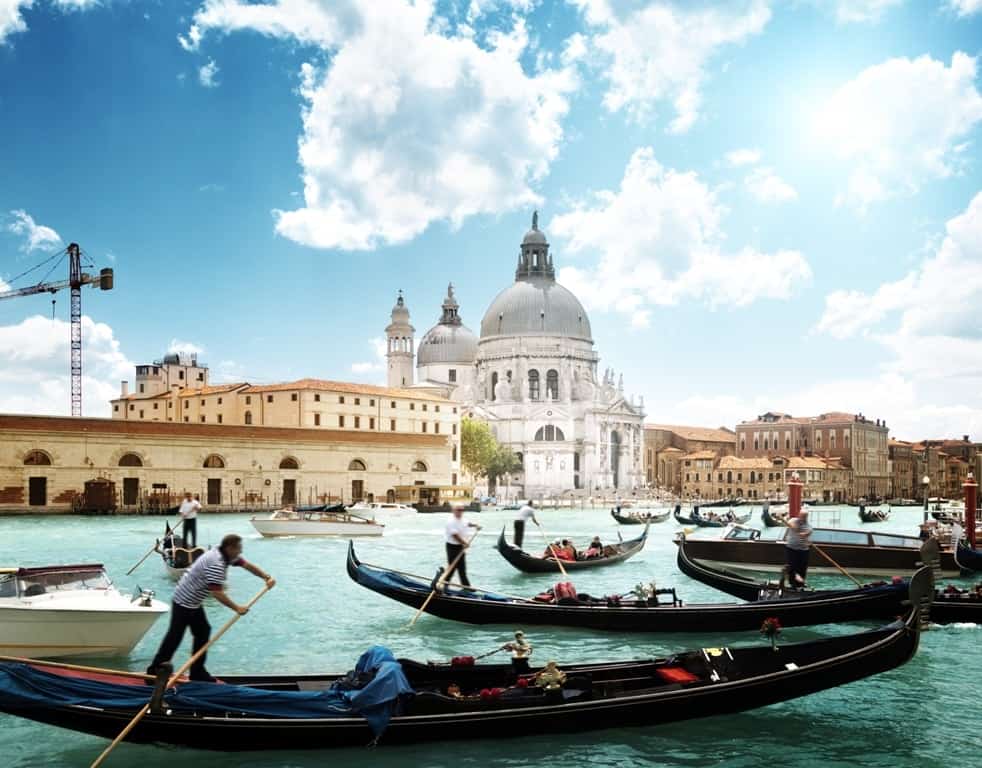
x: 532, y: 374
x: 666, y: 447
x: 904, y: 482
x: 45, y: 463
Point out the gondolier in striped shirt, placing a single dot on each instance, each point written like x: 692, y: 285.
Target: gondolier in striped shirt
x: 206, y: 577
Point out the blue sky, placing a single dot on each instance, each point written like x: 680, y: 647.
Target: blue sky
x: 763, y: 205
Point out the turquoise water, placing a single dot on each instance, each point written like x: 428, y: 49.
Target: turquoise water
x: 316, y: 619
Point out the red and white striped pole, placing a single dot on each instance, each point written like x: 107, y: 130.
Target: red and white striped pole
x: 794, y: 495
x: 971, y: 489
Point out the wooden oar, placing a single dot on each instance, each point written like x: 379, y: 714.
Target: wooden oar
x: 842, y: 570
x: 443, y: 578
x: 555, y: 556
x: 153, y: 548
x: 77, y: 667
x: 176, y: 676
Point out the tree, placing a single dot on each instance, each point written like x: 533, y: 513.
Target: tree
x: 482, y: 455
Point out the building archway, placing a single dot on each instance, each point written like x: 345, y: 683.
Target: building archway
x: 37, y: 458
x: 130, y: 460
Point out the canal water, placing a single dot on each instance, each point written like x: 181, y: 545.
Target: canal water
x: 925, y: 714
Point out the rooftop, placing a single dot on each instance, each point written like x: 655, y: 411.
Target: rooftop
x: 734, y: 462
x: 707, y: 434
x: 700, y: 455
x: 347, y: 387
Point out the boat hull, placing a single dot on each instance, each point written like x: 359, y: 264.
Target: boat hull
x: 39, y: 633
x: 277, y: 528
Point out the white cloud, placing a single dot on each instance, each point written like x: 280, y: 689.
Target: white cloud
x: 965, y: 7
x: 179, y: 347
x: 768, y: 187
x: 930, y: 322
x: 207, y: 73
x: 406, y: 125
x: 12, y: 21
x: 226, y: 372
x: 377, y: 366
x: 36, y: 236
x: 740, y: 157
x: 900, y: 124
x: 3, y: 286
x: 661, y: 53
x: 34, y: 372
x: 659, y: 239
x: 847, y: 11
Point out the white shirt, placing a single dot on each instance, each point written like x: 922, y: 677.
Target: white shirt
x: 189, y: 509
x: 525, y: 514
x: 458, y: 527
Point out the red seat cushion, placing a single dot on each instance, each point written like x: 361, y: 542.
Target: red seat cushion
x: 676, y: 675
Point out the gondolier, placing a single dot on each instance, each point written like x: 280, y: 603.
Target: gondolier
x: 189, y: 514
x: 526, y: 513
x: 206, y: 577
x: 796, y: 549
x: 457, y: 538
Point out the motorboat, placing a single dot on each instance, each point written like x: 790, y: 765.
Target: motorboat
x: 383, y: 508
x: 70, y: 610
x: 333, y: 520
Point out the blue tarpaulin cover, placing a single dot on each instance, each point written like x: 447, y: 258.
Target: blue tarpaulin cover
x: 26, y: 687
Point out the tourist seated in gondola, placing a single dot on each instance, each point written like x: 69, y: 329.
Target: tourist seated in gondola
x: 553, y: 550
x: 568, y: 551
x: 596, y: 549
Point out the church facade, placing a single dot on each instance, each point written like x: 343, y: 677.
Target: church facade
x: 533, y: 375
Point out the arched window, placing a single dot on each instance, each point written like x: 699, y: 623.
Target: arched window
x: 37, y: 459
x: 494, y: 385
x: 756, y: 444
x: 552, y: 385
x: 549, y: 433
x: 289, y: 462
x: 248, y: 417
x: 130, y: 460
x: 214, y: 461
x: 729, y: 477
x: 419, y: 466
x: 533, y: 384
x: 356, y: 465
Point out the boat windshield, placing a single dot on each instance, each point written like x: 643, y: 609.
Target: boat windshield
x: 743, y: 534
x: 886, y: 540
x: 831, y: 536
x: 773, y: 534
x: 31, y: 584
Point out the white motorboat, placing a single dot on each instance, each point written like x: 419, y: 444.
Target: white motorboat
x: 70, y: 610
x: 377, y: 508
x: 319, y: 521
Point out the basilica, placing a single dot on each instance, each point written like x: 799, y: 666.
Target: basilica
x: 532, y: 374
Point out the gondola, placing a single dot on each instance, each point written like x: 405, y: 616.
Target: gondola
x: 639, y: 519
x: 772, y: 519
x: 950, y: 604
x: 867, y: 515
x: 247, y: 713
x: 709, y: 522
x: 968, y: 560
x: 475, y: 606
x: 523, y: 561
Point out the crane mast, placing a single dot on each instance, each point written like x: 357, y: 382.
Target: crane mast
x: 76, y: 279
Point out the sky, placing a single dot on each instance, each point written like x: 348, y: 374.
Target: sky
x: 763, y: 205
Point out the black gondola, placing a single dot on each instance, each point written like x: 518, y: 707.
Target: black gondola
x: 523, y: 561
x: 633, y: 518
x: 950, y: 605
x: 476, y: 606
x: 686, y: 685
x: 772, y: 519
x: 868, y: 515
x: 968, y: 559
x: 705, y: 521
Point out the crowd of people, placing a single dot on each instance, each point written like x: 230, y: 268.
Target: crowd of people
x: 564, y: 549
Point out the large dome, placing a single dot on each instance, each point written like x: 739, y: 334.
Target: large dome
x: 447, y: 344
x: 536, y: 306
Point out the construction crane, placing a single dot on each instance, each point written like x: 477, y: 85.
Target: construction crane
x: 76, y: 279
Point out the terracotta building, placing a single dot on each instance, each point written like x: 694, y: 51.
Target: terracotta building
x: 665, y: 446
x: 904, y: 482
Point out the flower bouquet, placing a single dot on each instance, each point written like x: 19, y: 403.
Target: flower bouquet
x: 770, y: 629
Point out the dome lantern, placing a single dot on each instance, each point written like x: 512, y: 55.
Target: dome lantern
x: 534, y: 259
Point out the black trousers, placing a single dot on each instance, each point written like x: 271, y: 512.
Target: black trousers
x: 191, y: 532
x: 797, y: 562
x: 519, y: 533
x: 461, y: 568
x: 181, y: 619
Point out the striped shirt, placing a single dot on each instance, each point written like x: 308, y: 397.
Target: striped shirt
x: 206, y: 575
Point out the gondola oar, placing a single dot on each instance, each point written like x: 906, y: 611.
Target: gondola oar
x: 446, y: 574
x: 154, y: 548
x: 842, y: 570
x: 177, y: 676
x: 555, y: 555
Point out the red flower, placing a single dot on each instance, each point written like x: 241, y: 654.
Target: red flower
x: 522, y: 682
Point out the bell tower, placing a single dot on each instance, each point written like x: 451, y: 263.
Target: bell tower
x: 399, y: 351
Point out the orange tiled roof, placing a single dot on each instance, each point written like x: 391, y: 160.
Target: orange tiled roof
x: 735, y: 462
x: 700, y: 455
x: 344, y: 386
x: 719, y: 435
x: 215, y: 390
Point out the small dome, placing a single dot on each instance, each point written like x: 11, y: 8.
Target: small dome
x: 400, y: 311
x: 536, y: 306
x: 447, y: 344
x: 534, y: 237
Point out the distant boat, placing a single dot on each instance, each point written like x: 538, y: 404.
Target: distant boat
x: 70, y: 610
x: 383, y: 508
x: 331, y: 521
x: 640, y: 518
x: 710, y: 519
x: 868, y: 515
